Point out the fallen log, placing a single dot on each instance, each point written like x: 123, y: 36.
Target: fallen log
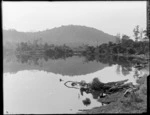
x: 105, y: 93
x: 96, y: 85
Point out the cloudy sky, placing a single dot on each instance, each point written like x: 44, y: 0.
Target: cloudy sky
x: 110, y: 17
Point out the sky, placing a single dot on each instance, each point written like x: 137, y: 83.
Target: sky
x: 109, y: 17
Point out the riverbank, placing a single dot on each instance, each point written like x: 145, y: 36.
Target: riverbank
x: 142, y: 56
x: 133, y: 102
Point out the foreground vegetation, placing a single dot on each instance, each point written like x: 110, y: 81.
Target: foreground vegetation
x: 134, y: 101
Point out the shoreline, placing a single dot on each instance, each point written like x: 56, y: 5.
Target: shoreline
x: 134, y: 102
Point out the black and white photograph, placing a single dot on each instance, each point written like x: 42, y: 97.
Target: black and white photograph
x: 75, y: 57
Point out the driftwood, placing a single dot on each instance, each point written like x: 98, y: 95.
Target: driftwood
x: 96, y: 85
x: 105, y: 93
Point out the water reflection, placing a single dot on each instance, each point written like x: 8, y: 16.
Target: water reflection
x: 34, y: 91
x: 71, y: 66
x: 40, y: 92
x: 67, y: 64
x: 35, y: 83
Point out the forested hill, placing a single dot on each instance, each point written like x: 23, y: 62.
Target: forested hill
x: 71, y: 35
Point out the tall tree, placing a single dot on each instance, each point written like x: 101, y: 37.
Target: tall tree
x: 136, y: 32
x: 141, y: 34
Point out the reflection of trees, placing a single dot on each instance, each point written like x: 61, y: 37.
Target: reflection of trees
x: 122, y: 62
x: 26, y: 58
x: 34, y: 58
x: 23, y: 58
x: 89, y: 58
x: 125, y: 63
x: 34, y: 51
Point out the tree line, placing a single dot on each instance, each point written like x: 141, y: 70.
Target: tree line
x: 124, y: 46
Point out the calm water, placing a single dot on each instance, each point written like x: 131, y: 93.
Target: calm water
x: 35, y: 86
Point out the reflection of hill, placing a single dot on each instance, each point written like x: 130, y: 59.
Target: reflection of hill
x: 66, y: 64
x: 70, y: 66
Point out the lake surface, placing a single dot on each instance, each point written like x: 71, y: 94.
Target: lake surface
x: 37, y: 86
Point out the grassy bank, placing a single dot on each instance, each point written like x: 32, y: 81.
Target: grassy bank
x: 133, y: 102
